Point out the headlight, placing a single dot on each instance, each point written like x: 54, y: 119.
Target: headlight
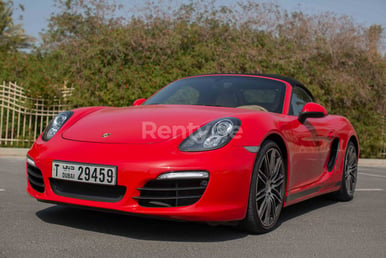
x: 56, y: 124
x: 211, y: 136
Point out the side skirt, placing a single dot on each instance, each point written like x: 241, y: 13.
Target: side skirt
x: 301, y: 194
x: 310, y: 193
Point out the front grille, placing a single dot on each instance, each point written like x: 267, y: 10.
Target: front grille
x: 171, y: 193
x: 86, y: 191
x: 35, y: 178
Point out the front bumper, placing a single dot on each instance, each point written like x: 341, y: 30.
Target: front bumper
x: 224, y: 199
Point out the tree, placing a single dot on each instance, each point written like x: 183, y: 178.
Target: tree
x: 112, y: 59
x: 12, y: 36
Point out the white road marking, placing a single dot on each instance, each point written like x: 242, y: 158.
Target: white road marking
x: 2, y: 190
x: 369, y: 190
x: 367, y: 174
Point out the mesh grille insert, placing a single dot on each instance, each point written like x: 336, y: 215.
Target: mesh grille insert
x: 171, y: 193
x: 86, y: 191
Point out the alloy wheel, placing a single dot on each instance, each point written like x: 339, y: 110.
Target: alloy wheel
x: 270, y: 187
x: 350, y: 169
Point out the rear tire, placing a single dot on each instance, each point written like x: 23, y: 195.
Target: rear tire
x: 267, y: 190
x: 349, y: 175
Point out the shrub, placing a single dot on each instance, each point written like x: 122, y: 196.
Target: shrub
x: 112, y: 60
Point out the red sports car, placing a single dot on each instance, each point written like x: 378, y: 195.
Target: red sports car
x: 213, y: 148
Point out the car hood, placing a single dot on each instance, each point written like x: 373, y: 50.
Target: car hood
x: 143, y: 124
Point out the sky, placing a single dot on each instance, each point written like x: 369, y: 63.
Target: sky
x: 364, y: 12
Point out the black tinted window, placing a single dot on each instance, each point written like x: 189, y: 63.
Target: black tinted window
x: 299, y: 98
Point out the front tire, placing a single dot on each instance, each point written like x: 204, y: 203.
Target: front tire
x: 267, y: 190
x: 350, y: 173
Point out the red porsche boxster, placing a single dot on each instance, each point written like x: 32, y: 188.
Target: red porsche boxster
x: 212, y: 148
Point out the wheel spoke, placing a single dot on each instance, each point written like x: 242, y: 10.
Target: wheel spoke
x: 278, y: 182
x: 353, y: 168
x: 348, y: 183
x: 353, y: 176
x: 266, y: 165
x: 262, y: 176
x: 273, y: 209
x: 276, y: 195
x: 267, y: 212
x: 272, y: 163
x: 352, y: 158
x: 353, y: 181
x: 352, y: 184
x: 349, y: 186
x: 277, y: 169
x: 262, y: 208
x: 260, y: 194
x: 353, y: 155
x: 353, y: 172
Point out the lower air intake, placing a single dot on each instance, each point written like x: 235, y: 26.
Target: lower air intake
x: 85, y: 191
x: 171, y: 193
x: 35, y: 178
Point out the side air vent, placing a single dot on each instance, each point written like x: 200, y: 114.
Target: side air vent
x: 35, y: 178
x: 333, y: 154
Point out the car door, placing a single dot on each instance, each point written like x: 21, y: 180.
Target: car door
x: 310, y: 142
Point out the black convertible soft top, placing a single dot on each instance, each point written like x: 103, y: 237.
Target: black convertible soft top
x: 290, y: 80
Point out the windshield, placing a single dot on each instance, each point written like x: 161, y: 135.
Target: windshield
x: 223, y: 91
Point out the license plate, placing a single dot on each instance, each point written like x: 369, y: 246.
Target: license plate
x: 83, y: 172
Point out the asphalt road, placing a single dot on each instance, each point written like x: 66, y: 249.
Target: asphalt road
x: 316, y: 228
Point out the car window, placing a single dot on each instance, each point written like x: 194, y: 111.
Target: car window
x: 269, y: 99
x: 299, y: 98
x: 184, y: 96
x: 223, y: 91
x: 253, y: 96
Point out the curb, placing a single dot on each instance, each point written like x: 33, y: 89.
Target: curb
x: 372, y: 163
x: 22, y: 152
x: 13, y: 152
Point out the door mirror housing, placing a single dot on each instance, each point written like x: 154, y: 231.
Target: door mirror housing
x: 312, y: 110
x: 139, y: 102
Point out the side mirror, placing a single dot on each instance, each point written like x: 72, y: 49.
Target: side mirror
x: 312, y: 110
x: 139, y: 102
